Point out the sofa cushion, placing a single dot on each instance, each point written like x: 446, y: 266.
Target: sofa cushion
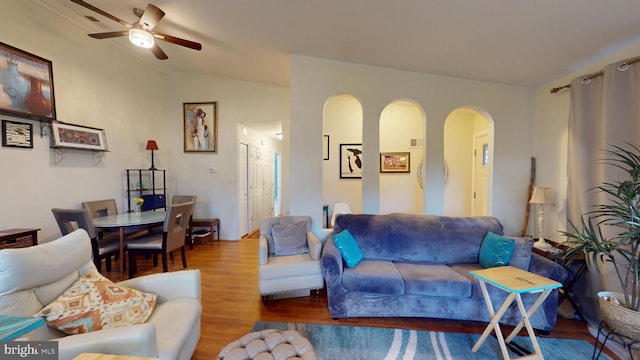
x: 521, y: 257
x: 495, y: 250
x: 348, y: 248
x: 175, y: 321
x: 287, y: 266
x: 93, y: 302
x: 433, y: 280
x: 375, y: 277
x: 289, y: 239
x: 419, y: 238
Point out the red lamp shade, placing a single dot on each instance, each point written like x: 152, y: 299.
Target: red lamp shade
x: 151, y: 145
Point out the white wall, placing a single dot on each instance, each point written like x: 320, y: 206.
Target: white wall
x: 400, y: 122
x: 95, y: 85
x: 343, y: 124
x: 103, y: 86
x: 239, y: 102
x: 315, y: 80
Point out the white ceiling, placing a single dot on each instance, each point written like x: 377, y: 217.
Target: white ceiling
x: 518, y: 42
x: 521, y: 42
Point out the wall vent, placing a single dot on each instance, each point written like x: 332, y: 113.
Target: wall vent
x: 416, y: 143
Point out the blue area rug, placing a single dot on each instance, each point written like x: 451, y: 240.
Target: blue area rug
x: 333, y: 342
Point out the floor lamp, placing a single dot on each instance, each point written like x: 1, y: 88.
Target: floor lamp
x: 541, y: 196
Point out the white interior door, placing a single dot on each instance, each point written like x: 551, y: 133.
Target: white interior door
x: 480, y: 173
x: 267, y: 186
x: 255, y: 186
x: 243, y: 194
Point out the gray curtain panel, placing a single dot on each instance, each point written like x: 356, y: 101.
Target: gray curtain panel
x: 604, y: 111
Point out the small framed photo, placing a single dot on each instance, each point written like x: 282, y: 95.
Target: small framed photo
x: 350, y: 161
x: 325, y: 147
x: 200, y: 127
x: 395, y: 162
x: 17, y: 134
x: 77, y: 137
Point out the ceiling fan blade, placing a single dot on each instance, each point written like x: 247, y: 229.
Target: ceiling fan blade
x: 106, y: 35
x: 178, y: 41
x: 103, y: 13
x: 158, y: 52
x: 150, y: 17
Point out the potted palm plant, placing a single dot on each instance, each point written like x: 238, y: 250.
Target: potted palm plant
x: 610, y: 234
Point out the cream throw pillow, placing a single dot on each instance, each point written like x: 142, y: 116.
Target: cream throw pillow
x: 93, y: 302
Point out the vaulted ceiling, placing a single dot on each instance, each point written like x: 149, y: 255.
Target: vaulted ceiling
x: 525, y: 42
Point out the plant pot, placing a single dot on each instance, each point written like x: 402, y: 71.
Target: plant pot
x: 619, y: 319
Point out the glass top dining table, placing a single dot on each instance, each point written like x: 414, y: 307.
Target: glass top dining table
x: 127, y: 220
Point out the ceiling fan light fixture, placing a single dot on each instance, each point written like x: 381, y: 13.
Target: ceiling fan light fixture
x: 141, y: 38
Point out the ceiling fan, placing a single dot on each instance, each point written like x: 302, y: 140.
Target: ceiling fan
x: 141, y: 33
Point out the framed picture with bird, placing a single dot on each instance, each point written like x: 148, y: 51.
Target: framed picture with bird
x: 350, y: 161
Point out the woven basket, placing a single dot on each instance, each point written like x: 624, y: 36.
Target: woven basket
x: 621, y: 320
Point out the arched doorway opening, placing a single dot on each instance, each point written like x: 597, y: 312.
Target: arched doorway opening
x: 402, y: 125
x: 342, y: 130
x: 468, y: 159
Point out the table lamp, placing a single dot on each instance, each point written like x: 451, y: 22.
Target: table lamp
x: 541, y: 196
x: 151, y: 145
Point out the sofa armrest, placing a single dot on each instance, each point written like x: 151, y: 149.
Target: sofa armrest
x: 547, y: 268
x: 136, y: 340
x: 315, y: 246
x: 170, y: 285
x: 332, y: 264
x: 263, y: 250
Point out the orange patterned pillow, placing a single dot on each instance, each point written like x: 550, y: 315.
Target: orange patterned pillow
x: 93, y: 302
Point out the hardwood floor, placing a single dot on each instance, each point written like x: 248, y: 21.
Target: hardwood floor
x: 231, y: 302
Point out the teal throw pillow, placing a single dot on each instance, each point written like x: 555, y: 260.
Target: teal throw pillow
x: 348, y: 248
x: 495, y: 250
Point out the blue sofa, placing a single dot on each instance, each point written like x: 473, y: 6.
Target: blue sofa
x: 418, y: 266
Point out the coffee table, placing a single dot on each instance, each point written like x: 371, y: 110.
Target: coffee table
x: 126, y: 220
x: 514, y: 281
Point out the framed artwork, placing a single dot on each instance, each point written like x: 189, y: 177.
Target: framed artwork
x: 395, y: 162
x: 325, y: 147
x: 200, y: 127
x: 77, y: 137
x: 350, y: 161
x: 17, y: 134
x: 26, y: 85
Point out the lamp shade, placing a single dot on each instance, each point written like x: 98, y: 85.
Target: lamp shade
x: 142, y: 38
x: 151, y: 145
x: 542, y: 195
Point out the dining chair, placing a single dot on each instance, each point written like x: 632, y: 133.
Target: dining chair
x: 70, y: 220
x: 172, y: 238
x: 178, y: 199
x: 99, y: 208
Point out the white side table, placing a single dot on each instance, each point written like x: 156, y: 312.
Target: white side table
x: 515, y: 282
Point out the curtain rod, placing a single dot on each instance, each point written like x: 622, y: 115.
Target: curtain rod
x: 596, y: 74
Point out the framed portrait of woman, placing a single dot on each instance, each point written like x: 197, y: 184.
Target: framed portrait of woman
x: 200, y: 127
